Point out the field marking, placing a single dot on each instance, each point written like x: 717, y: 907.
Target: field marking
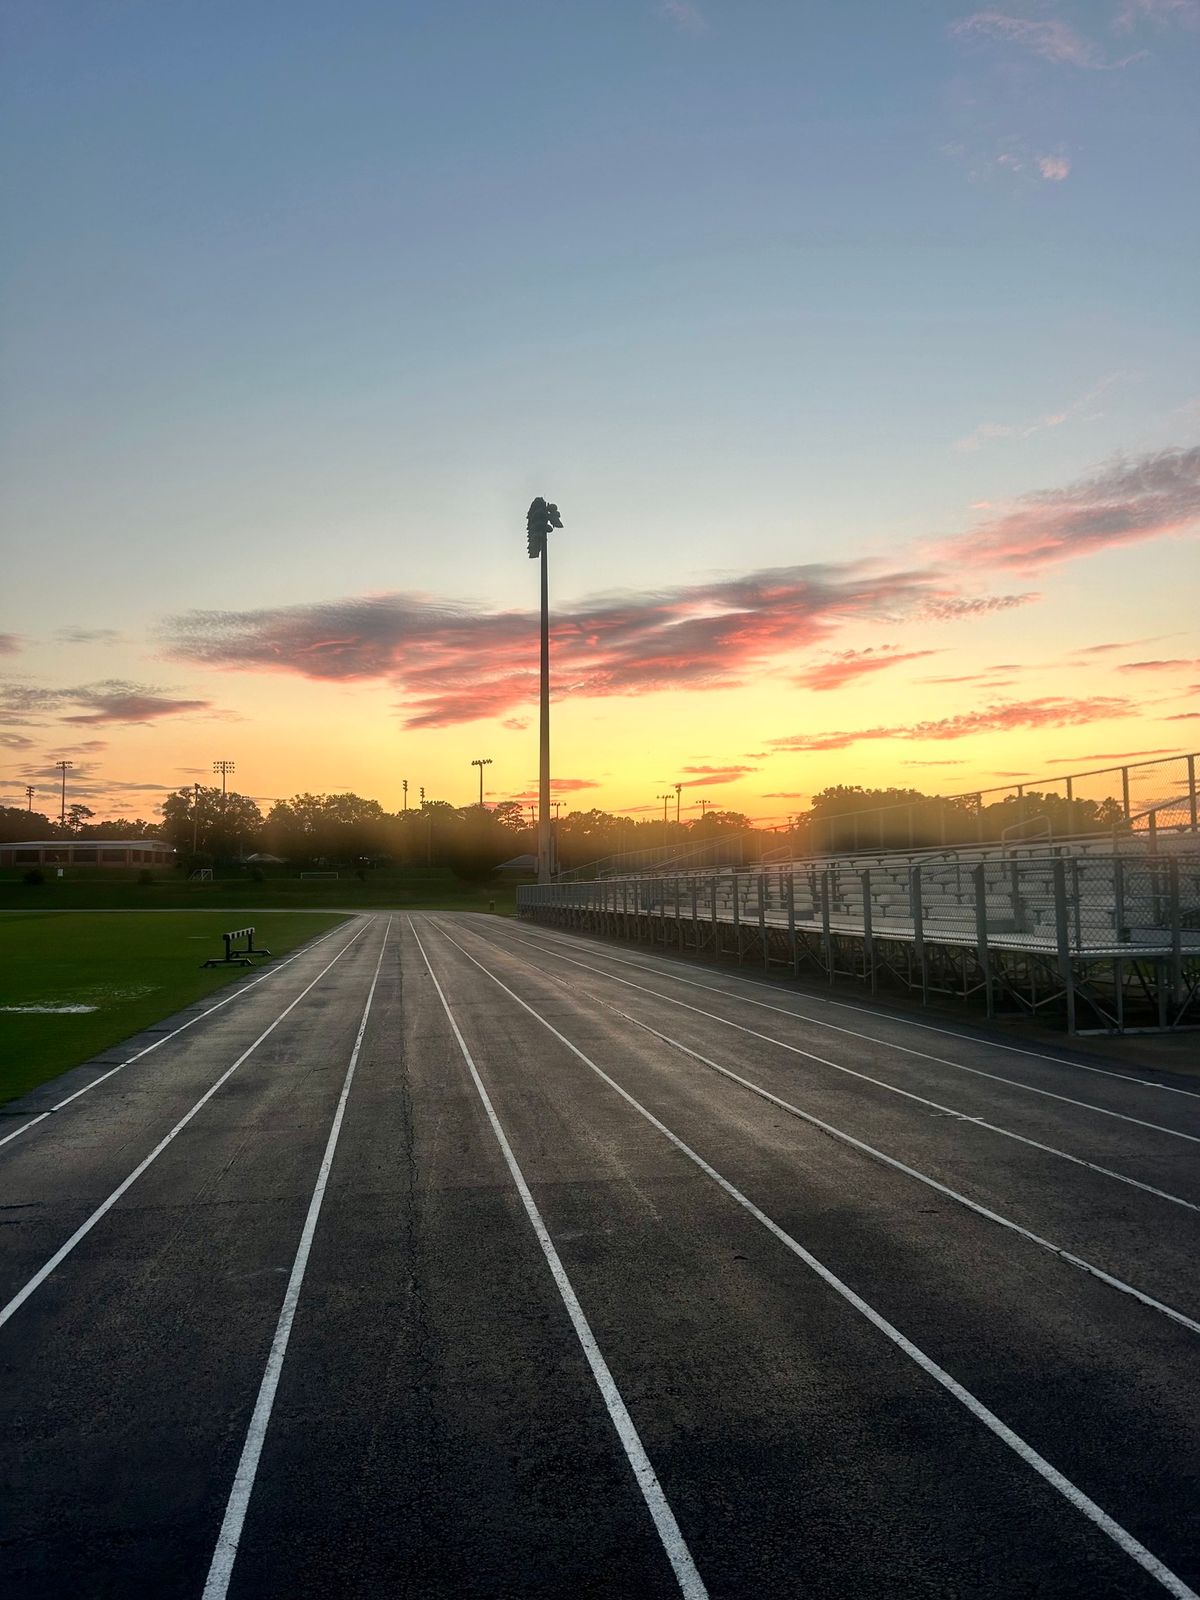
x: 60, y: 1255
x: 1070, y: 1492
x: 225, y: 1552
x: 166, y: 1039
x: 691, y: 1585
x: 892, y: 1088
x: 913, y: 1172
x: 879, y: 1016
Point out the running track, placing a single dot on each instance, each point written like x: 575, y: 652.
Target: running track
x: 462, y: 1258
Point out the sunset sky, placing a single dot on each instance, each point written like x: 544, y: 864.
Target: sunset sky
x: 858, y: 344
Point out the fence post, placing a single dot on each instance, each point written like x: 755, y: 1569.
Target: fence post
x: 981, y: 934
x: 1173, y: 910
x: 716, y: 937
x: 762, y: 914
x: 826, y: 930
x: 918, y: 919
x: 737, y: 917
x: 868, y: 930
x: 1191, y: 765
x: 791, y: 916
x: 695, y: 912
x: 1062, y: 931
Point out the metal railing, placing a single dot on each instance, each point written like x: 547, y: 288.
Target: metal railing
x: 1138, y: 796
x: 1013, y: 916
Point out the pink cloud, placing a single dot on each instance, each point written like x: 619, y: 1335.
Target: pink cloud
x: 1055, y: 169
x: 1148, y: 498
x: 847, y: 665
x: 456, y: 663
x: 1158, y: 666
x: 1047, y: 712
x: 1112, y: 755
x: 1050, y: 38
x: 9, y: 644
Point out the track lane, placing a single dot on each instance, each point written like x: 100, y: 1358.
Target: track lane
x: 1146, y: 1238
x: 201, y: 1013
x: 1128, y: 1152
x: 436, y: 1430
x: 133, y: 1371
x: 1069, y: 1373
x: 1174, y: 1106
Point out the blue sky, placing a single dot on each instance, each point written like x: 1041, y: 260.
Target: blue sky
x: 307, y: 301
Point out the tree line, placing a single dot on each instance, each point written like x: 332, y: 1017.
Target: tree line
x: 207, y: 827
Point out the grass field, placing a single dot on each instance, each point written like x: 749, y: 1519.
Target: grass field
x: 130, y: 970
x: 417, y: 890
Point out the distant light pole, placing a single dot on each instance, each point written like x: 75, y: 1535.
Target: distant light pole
x: 481, y: 762
x: 30, y: 791
x: 404, y: 788
x: 64, y: 767
x: 195, y: 813
x: 666, y: 800
x: 678, y: 797
x: 540, y: 518
x: 224, y: 768
x: 704, y: 805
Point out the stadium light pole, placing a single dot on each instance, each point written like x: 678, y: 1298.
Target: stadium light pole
x: 666, y: 800
x: 224, y: 768
x: 481, y: 762
x: 30, y: 791
x: 64, y: 767
x: 704, y: 805
x: 539, y: 519
x: 678, y: 800
x: 404, y: 791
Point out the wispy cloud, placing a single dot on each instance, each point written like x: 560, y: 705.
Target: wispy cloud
x: 10, y: 643
x: 1145, y: 498
x: 1175, y: 665
x: 1055, y: 169
x: 1047, y: 712
x: 110, y: 701
x: 1162, y: 13
x: 1083, y: 409
x: 87, y: 636
x: 848, y: 665
x: 456, y: 663
x: 684, y: 15
x: 1111, y: 755
x: 1050, y: 38
x: 708, y: 774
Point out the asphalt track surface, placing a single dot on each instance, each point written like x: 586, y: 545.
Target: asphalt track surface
x: 466, y: 1258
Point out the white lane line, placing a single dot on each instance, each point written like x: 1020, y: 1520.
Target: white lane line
x: 881, y: 1083
x: 912, y: 1172
x: 60, y: 1255
x: 225, y: 1554
x: 166, y: 1039
x: 691, y: 1585
x: 903, y: 1022
x: 1069, y: 1491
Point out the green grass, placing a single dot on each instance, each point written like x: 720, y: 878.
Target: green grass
x: 133, y: 969
x: 416, y: 890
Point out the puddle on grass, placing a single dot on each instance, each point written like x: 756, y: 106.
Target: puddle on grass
x: 58, y: 1011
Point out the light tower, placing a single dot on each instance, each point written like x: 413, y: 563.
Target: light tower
x: 224, y: 768
x: 666, y: 800
x: 540, y: 518
x: 678, y: 798
x: 30, y: 791
x: 481, y: 762
x: 64, y: 767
